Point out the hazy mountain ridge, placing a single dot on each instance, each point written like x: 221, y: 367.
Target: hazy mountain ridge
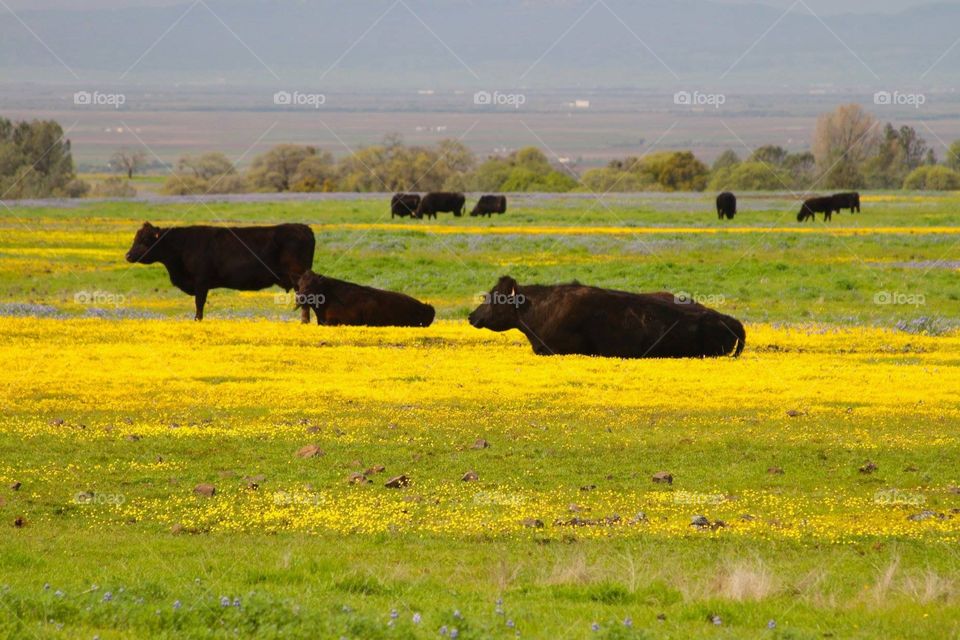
x: 499, y: 41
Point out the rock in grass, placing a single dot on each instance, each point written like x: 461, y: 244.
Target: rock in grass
x: 868, y: 467
x: 775, y: 471
x: 640, y: 518
x: 309, y: 451
x: 205, y: 489
x: 254, y: 482
x: 375, y: 469
x: 700, y: 522
x: 796, y: 413
x: 532, y: 523
x: 19, y: 522
x: 397, y: 482
x: 470, y: 476
x: 133, y: 437
x: 16, y: 486
x: 480, y: 444
x: 358, y: 478
x: 925, y: 515
x: 663, y: 477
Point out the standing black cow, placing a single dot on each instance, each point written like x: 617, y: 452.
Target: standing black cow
x: 847, y: 200
x: 201, y: 258
x: 576, y: 319
x: 404, y: 204
x: 337, y: 302
x: 489, y: 205
x: 441, y: 202
x: 726, y: 205
x: 812, y: 206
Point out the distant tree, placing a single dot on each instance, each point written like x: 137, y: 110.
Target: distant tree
x: 843, y: 141
x: 751, y: 176
x: 682, y: 171
x: 274, y: 170
x: 35, y: 159
x: 953, y: 156
x: 526, y: 169
x: 315, y: 173
x: 128, y: 160
x: 114, y: 187
x: 770, y: 154
x: 932, y: 178
x: 801, y: 168
x: 207, y: 166
x: 726, y: 159
x: 899, y: 152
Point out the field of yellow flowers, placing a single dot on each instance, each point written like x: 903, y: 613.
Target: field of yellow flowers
x: 252, y: 476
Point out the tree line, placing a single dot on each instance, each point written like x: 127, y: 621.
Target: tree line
x: 849, y: 150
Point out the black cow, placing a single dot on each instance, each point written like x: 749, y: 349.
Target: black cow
x: 726, y: 205
x: 404, y: 204
x: 812, y: 206
x: 337, y: 302
x: 577, y: 319
x: 201, y: 258
x: 489, y: 205
x: 440, y: 202
x: 847, y: 200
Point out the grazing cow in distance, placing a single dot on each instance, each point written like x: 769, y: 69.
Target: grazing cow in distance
x: 577, y: 319
x: 813, y: 206
x: 201, y: 258
x: 440, y: 202
x: 726, y: 205
x: 847, y: 200
x: 337, y: 302
x: 404, y: 204
x: 489, y: 205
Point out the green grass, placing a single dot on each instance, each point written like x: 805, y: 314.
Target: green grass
x: 760, y: 277
x: 55, y: 572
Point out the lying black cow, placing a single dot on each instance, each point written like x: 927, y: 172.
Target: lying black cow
x: 337, y: 302
x: 813, y: 206
x: 404, y: 204
x: 577, y: 319
x: 440, y: 202
x: 489, y: 205
x: 201, y: 258
x: 848, y: 200
x: 726, y: 205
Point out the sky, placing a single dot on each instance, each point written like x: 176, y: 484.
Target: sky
x: 823, y: 7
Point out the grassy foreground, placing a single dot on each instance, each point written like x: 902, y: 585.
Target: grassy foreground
x: 828, y: 451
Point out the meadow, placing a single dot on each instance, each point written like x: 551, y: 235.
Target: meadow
x: 812, y: 492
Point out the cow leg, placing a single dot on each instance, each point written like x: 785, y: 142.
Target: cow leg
x: 305, y: 314
x: 201, y: 299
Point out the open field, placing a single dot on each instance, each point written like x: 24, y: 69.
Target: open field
x: 824, y: 459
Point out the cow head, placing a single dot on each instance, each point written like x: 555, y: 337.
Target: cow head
x: 146, y: 240
x: 311, y: 290
x: 500, y: 309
